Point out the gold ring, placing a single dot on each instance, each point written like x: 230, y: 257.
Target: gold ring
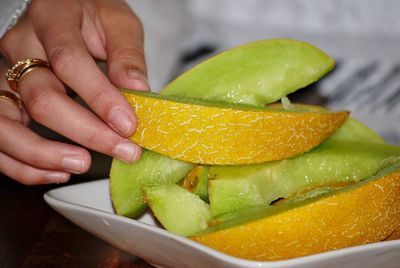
x: 8, y: 96
x: 21, y: 68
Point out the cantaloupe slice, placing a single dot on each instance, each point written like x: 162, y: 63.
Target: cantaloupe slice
x: 206, y: 132
x: 366, y: 212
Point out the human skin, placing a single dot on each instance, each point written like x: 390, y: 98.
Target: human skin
x: 71, y: 35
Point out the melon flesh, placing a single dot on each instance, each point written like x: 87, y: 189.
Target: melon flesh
x: 128, y: 179
x: 256, y: 73
x: 331, y: 165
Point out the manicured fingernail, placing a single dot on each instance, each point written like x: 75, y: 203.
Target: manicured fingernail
x: 121, y: 122
x: 126, y: 151
x: 137, y: 80
x: 73, y: 164
x: 55, y: 177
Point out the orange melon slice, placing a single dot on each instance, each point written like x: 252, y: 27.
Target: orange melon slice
x: 368, y: 212
x: 205, y: 132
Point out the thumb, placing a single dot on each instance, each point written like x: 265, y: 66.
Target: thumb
x: 124, y: 46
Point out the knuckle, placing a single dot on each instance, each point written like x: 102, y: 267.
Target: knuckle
x: 37, y: 102
x: 62, y: 57
x: 97, y: 100
x: 131, y: 58
x: 129, y: 54
x: 27, y: 176
x: 94, y: 137
x: 101, y: 140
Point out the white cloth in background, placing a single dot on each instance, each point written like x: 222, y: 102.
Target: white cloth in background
x: 10, y: 10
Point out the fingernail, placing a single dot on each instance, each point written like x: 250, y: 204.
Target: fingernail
x: 73, y: 164
x: 126, y: 151
x: 121, y: 122
x: 137, y: 80
x: 55, y: 177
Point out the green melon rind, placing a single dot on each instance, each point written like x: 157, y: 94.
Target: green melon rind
x: 201, y: 188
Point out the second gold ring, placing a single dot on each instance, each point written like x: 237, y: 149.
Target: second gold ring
x: 21, y: 68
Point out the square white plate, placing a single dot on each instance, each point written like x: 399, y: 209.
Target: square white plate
x: 89, y: 206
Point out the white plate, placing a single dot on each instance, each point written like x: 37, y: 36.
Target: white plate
x: 88, y: 205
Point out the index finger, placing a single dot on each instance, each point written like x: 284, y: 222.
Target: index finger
x: 59, y: 33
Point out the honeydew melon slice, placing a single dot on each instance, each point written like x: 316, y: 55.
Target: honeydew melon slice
x: 178, y: 210
x: 255, y: 73
x: 128, y: 179
x: 332, y: 164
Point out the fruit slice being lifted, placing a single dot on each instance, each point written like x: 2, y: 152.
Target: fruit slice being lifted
x: 206, y: 132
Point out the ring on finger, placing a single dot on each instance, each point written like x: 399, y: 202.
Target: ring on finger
x: 8, y: 96
x: 21, y: 68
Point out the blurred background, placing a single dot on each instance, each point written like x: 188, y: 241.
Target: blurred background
x: 362, y: 36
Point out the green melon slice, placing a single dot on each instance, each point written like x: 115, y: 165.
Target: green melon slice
x: 333, y: 164
x: 256, y: 73
x: 128, y: 179
x: 178, y: 210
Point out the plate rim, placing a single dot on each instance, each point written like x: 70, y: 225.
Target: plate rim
x: 54, y: 201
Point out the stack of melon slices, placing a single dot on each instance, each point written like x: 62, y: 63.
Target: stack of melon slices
x: 258, y: 181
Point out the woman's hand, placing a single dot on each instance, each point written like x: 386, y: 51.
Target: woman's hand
x: 70, y: 35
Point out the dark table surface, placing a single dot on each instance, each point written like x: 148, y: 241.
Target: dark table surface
x: 33, y: 235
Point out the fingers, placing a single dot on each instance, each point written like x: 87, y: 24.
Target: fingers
x: 124, y: 46
x: 46, y: 102
x: 21, y: 143
x: 44, y: 97
x: 60, y: 35
x: 28, y: 158
x: 68, y: 40
x: 29, y: 175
